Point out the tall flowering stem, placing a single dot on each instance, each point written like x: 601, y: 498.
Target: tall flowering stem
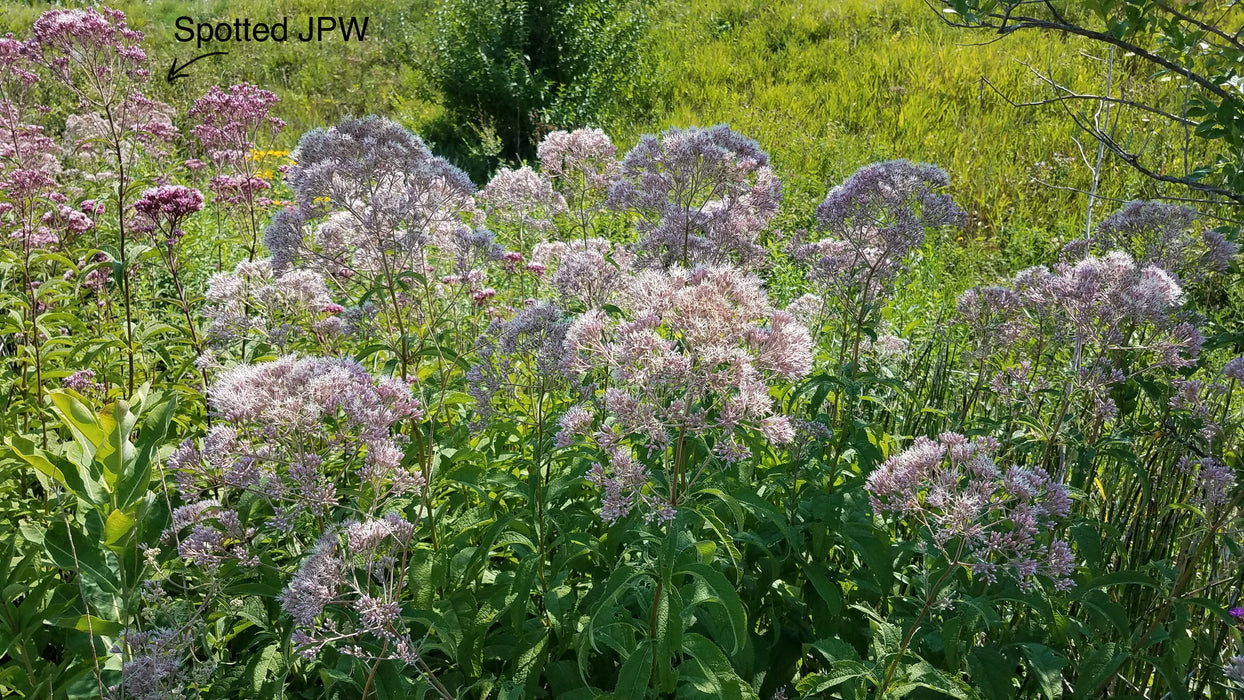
x: 582, y: 164
x: 874, y: 221
x: 522, y: 202
x: 977, y: 515
x: 161, y: 212
x: 313, y: 440
x: 382, y: 218
x: 1163, y: 235
x: 232, y: 125
x: 32, y: 206
x: 96, y: 55
x: 520, y: 363
x: 1087, y: 326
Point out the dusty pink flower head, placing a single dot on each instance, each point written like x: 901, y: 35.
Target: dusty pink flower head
x: 1161, y: 234
x: 16, y: 62
x: 990, y: 517
x: 583, y: 154
x: 169, y: 202
x: 587, y: 272
x: 702, y: 196
x: 1234, y: 369
x: 166, y: 207
x: 230, y: 121
x: 522, y: 200
x: 95, y: 40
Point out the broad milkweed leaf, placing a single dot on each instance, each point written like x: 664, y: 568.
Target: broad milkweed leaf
x: 1047, y: 666
x: 78, y: 552
x: 991, y: 673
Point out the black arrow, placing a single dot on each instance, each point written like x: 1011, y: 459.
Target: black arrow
x: 174, y: 72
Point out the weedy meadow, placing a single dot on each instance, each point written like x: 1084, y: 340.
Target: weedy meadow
x: 337, y: 422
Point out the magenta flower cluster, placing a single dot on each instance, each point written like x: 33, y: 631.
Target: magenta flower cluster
x: 229, y: 122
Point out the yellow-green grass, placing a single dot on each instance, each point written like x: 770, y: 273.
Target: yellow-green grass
x: 829, y: 85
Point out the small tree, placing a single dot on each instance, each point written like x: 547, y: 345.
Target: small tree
x: 518, y: 68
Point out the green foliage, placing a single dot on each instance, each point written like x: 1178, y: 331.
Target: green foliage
x: 513, y: 70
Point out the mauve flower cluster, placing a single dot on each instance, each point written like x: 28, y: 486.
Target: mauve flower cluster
x: 702, y: 196
x: 523, y: 203
x: 285, y: 310
x: 587, y: 273
x: 298, y: 427
x: 1234, y: 369
x: 386, y: 206
x: 582, y: 165
x: 83, y: 382
x: 519, y: 353
x: 1234, y: 669
x: 29, y: 160
x: 976, y: 513
x: 874, y: 220
x: 1160, y: 234
x: 153, y: 664
x: 1214, y: 481
x: 296, y: 433
x: 165, y: 207
x: 585, y: 156
x: 229, y: 122
x: 17, y: 60
x: 96, y: 41
x: 1090, y: 306
x: 239, y: 190
x: 693, y: 353
x: 365, y: 575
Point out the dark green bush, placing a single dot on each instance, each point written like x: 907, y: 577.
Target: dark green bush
x: 510, y: 71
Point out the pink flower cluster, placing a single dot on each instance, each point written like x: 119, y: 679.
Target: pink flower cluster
x: 694, y: 353
x: 995, y: 520
x: 229, y: 122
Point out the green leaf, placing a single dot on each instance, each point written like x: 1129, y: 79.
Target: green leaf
x: 727, y: 595
x: 1098, y: 666
x: 136, y: 473
x: 635, y: 673
x: 79, y: 480
x: 1118, y: 578
x: 991, y: 673
x: 82, y: 422
x: 117, y: 422
x: 117, y: 527
x: 1047, y: 665
x: 91, y: 624
x: 262, y: 666
x: 842, y: 672
x: 78, y: 552
x: 727, y: 681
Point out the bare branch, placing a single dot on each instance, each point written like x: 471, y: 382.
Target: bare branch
x: 1133, y: 160
x: 1008, y: 24
x: 1070, y: 95
x: 1156, y: 195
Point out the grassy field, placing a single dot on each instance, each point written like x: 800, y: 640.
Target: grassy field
x: 830, y: 85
